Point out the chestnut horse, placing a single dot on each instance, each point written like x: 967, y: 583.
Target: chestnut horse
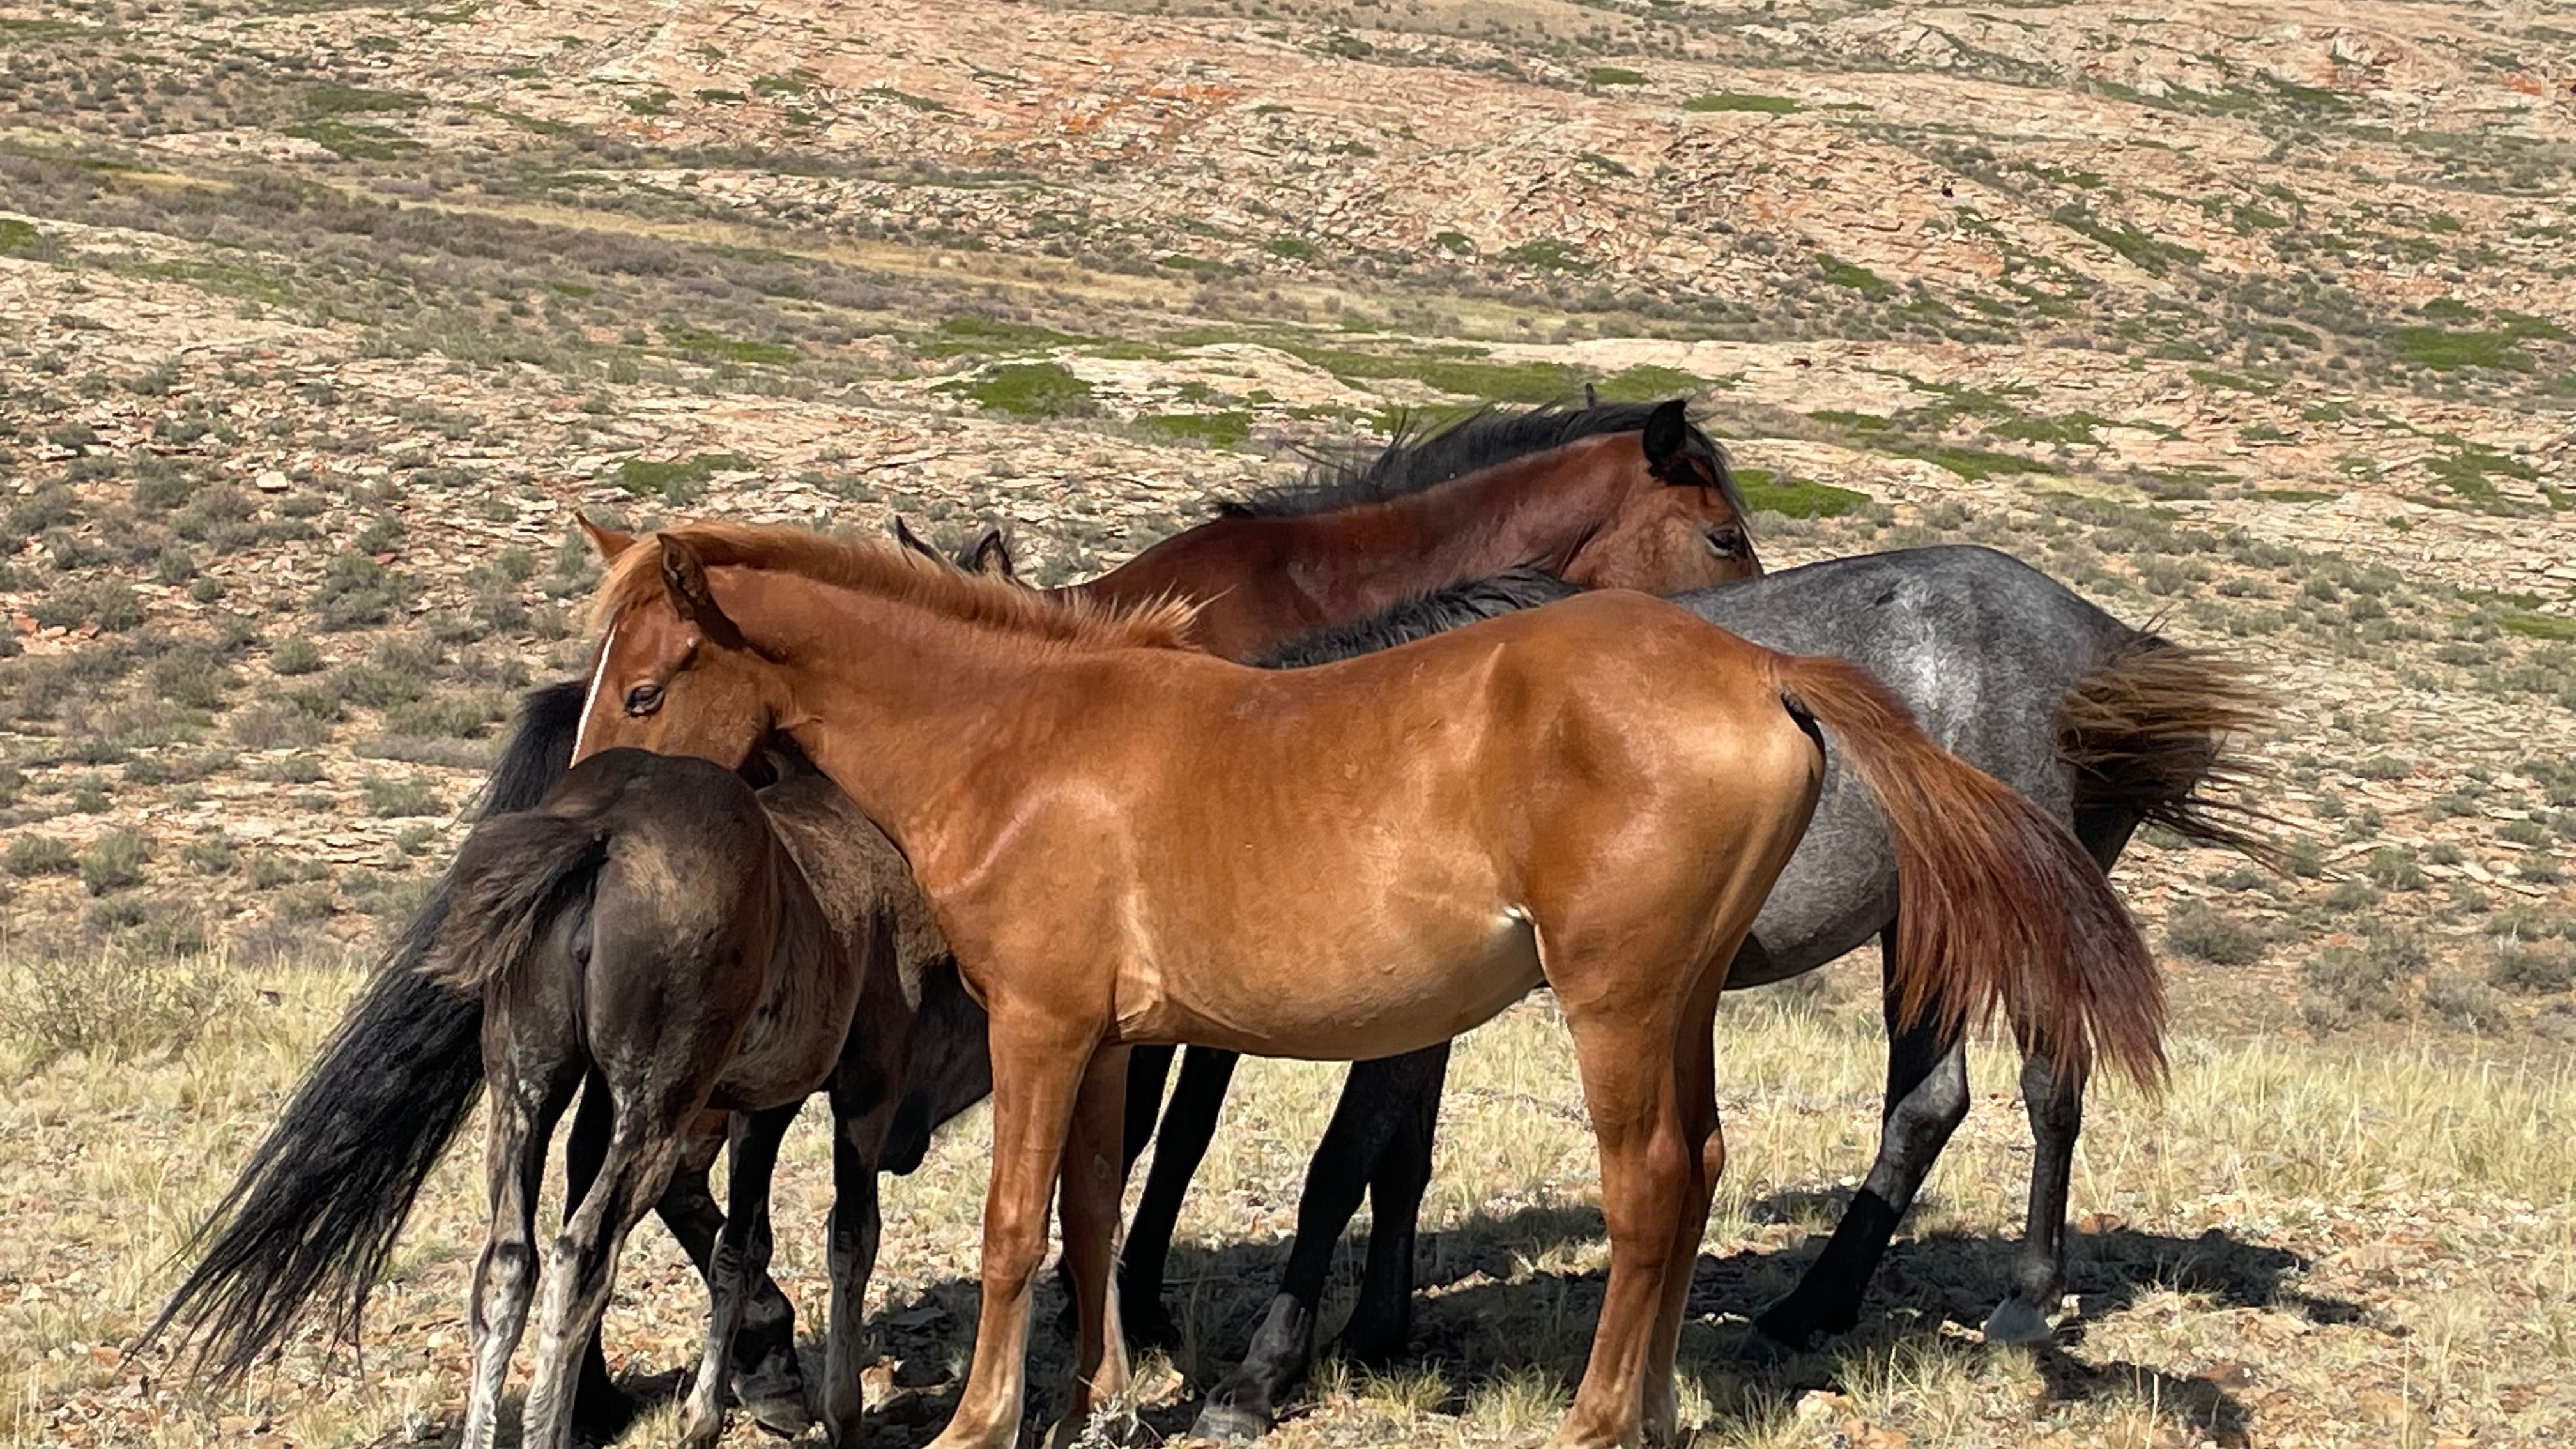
x: 1597, y: 795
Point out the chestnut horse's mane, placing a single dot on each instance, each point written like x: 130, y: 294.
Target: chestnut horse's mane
x: 887, y: 572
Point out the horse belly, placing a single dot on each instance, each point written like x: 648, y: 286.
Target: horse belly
x: 1368, y: 999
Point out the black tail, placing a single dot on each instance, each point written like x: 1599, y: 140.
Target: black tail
x: 513, y: 875
x: 313, y: 1216
x: 2153, y: 726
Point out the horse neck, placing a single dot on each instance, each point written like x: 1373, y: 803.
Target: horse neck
x: 1531, y: 512
x: 896, y: 704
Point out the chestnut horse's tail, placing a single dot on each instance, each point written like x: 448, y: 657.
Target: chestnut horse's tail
x: 1999, y: 906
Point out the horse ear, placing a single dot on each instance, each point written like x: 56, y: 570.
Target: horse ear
x: 684, y: 577
x: 608, y: 541
x: 1667, y: 433
x: 904, y: 535
x: 991, y: 556
x: 1591, y: 397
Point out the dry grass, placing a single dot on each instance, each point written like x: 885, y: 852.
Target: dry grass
x: 2298, y: 1244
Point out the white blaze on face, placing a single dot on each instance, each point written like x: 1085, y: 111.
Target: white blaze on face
x: 590, y: 701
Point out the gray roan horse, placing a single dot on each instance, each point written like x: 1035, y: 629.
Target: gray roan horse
x: 2103, y: 725
x: 2005, y: 667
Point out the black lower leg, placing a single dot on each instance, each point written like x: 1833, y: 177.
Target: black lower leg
x: 600, y: 1409
x: 1382, y: 1320
x: 1927, y: 1098
x: 2039, y: 1268
x: 1379, y: 1102
x: 1147, y: 1066
x: 1180, y: 1145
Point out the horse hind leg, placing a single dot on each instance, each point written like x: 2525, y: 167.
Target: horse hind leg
x: 1704, y: 1160
x: 741, y: 1254
x: 2039, y: 1267
x: 1624, y: 1048
x: 1927, y: 1099
x: 524, y: 1110
x: 768, y: 1380
x: 638, y: 1163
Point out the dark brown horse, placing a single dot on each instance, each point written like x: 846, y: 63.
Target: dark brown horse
x: 1597, y: 795
x: 1621, y: 495
x: 657, y: 928
x: 643, y: 930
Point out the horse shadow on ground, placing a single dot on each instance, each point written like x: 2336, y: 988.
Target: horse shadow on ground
x: 1496, y: 1303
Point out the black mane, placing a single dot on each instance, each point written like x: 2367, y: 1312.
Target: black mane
x: 1420, y: 456
x: 1438, y: 612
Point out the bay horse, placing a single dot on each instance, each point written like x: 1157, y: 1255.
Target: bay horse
x: 1597, y: 795
x: 656, y: 928
x: 1615, y: 495
x: 2104, y: 726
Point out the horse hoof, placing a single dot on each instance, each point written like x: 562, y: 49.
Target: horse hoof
x: 699, y: 1429
x: 784, y: 1414
x: 2017, y: 1324
x: 1230, y: 1422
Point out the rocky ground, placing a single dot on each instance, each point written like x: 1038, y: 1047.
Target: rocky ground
x: 317, y: 321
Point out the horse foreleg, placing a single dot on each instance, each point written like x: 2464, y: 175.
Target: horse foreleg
x: 2039, y: 1269
x: 857, y: 1142
x: 1927, y: 1099
x: 1089, y: 1197
x: 1147, y: 1068
x: 1381, y: 1322
x: 1038, y: 1067
x: 1373, y: 1124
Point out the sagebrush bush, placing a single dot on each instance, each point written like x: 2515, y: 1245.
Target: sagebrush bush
x: 113, y: 863
x: 2203, y: 933
x: 2533, y: 967
x: 40, y: 855
x: 116, y: 1005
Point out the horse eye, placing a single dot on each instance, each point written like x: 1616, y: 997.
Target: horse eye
x: 643, y: 699
x: 1726, y: 542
